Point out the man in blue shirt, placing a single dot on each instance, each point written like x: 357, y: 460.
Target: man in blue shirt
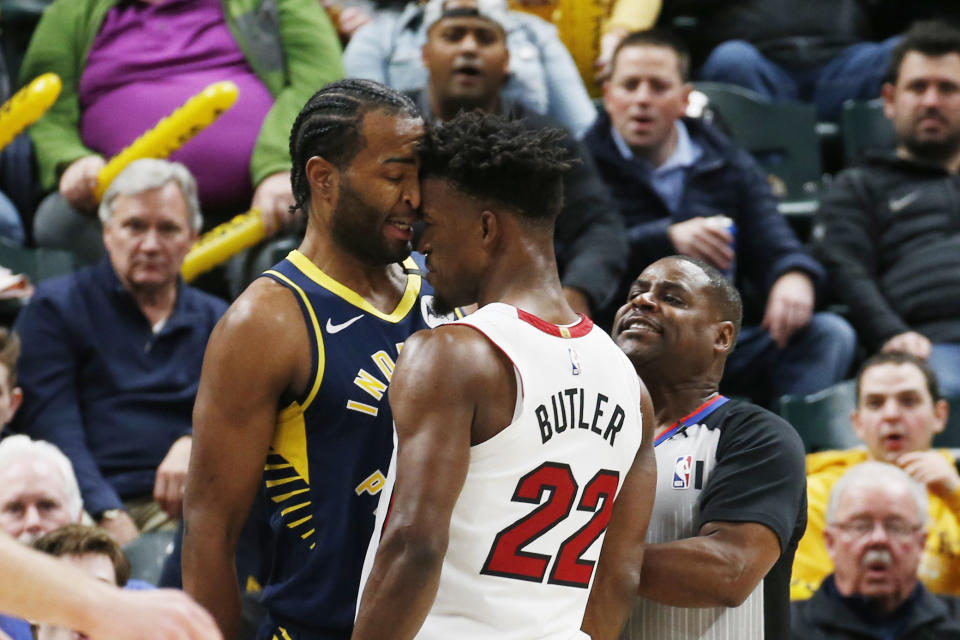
x: 682, y: 187
x: 112, y: 354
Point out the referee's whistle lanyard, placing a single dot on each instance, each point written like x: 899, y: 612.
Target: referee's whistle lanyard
x: 696, y: 416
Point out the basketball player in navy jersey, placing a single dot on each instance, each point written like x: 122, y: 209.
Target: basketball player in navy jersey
x: 516, y: 426
x: 292, y: 397
x: 731, y: 490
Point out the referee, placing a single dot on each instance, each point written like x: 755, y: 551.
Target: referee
x: 731, y: 491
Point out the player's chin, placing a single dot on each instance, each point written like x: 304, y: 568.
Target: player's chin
x: 398, y: 251
x: 440, y: 305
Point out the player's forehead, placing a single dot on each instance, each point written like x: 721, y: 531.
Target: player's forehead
x: 442, y: 197
x: 390, y: 137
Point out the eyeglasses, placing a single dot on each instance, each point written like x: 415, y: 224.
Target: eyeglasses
x: 864, y: 527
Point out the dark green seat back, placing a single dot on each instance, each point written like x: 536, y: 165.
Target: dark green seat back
x: 780, y: 135
x: 148, y: 553
x: 864, y: 129
x: 950, y: 436
x: 38, y: 264
x: 823, y: 419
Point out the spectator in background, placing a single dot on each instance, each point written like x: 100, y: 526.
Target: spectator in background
x: 466, y: 58
x: 680, y: 184
x: 889, y: 232
x: 875, y: 534
x: 112, y: 353
x: 899, y: 410
x: 811, y: 50
x: 90, y: 550
x: 124, y: 65
x: 38, y: 491
x: 542, y: 75
x: 38, y: 494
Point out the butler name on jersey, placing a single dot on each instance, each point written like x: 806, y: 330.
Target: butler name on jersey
x: 580, y: 404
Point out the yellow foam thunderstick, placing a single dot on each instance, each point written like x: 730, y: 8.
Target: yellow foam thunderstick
x: 222, y: 242
x: 27, y: 105
x: 173, y: 131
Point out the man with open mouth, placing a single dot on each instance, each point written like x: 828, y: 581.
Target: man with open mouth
x: 899, y: 411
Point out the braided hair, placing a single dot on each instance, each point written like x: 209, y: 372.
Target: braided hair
x: 329, y: 126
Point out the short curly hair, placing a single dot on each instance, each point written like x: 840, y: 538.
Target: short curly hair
x: 495, y: 158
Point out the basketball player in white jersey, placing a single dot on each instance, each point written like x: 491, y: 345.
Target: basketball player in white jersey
x: 517, y: 426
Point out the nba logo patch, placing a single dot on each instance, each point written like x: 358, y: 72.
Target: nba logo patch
x: 681, y: 472
x: 574, y: 361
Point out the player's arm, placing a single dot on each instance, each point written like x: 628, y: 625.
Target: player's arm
x: 618, y: 570
x: 719, y: 567
x: 441, y: 379
x: 252, y: 359
x: 42, y: 589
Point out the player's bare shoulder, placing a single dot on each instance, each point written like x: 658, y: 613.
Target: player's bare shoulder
x: 262, y: 331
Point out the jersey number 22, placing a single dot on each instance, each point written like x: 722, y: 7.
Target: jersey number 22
x: 508, y: 559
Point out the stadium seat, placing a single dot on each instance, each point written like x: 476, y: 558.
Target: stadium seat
x: 36, y: 264
x: 864, y: 129
x: 147, y: 555
x: 950, y: 437
x: 780, y: 135
x: 823, y: 419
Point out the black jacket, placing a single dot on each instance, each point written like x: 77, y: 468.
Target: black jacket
x: 725, y: 180
x: 889, y: 235
x: 590, y: 239
x: 827, y: 616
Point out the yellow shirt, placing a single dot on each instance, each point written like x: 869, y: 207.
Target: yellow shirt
x: 940, y: 566
x: 581, y: 24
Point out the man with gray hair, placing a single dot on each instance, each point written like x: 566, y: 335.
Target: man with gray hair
x: 38, y: 494
x: 112, y: 353
x: 875, y: 534
x: 38, y: 491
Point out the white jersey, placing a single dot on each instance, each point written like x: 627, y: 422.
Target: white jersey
x: 527, y: 528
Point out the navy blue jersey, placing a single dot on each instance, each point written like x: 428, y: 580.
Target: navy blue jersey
x: 331, y: 450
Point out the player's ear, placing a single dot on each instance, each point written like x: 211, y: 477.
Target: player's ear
x: 324, y: 179
x: 489, y: 226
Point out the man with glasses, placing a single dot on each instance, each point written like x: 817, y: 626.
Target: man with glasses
x: 875, y: 535
x: 899, y: 411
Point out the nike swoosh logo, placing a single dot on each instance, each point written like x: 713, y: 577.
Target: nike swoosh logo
x: 336, y: 328
x: 899, y: 204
